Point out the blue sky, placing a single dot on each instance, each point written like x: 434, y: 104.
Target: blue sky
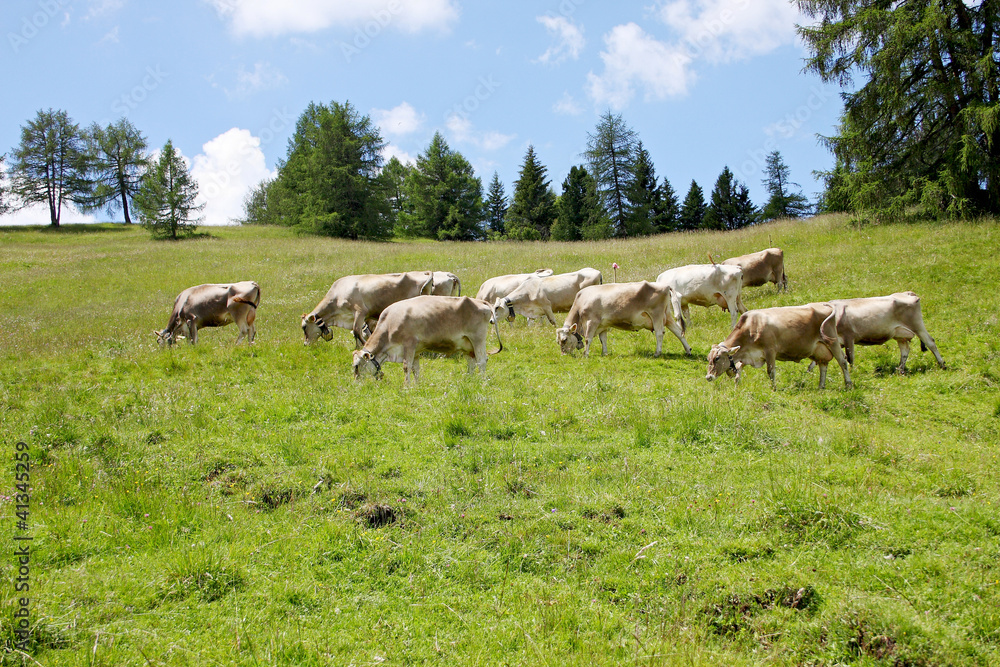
x: 705, y: 83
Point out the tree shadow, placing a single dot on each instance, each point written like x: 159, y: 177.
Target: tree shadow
x: 70, y: 228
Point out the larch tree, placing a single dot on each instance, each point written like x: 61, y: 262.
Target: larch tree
x: 48, y: 163
x: 784, y: 201
x: 921, y: 125
x: 167, y: 197
x: 116, y: 160
x: 532, y: 209
x: 610, y: 154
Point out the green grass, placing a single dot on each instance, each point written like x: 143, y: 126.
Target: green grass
x: 256, y: 505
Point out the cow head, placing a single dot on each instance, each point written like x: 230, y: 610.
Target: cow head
x: 502, y: 309
x: 569, y: 339
x: 365, y: 364
x: 165, y: 337
x: 720, y: 360
x: 314, y: 327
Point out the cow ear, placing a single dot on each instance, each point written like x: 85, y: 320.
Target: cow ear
x: 572, y: 328
x: 734, y: 350
x: 366, y: 354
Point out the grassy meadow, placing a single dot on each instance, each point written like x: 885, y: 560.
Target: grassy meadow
x: 253, y: 505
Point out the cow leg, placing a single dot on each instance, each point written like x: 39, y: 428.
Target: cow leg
x: 904, y: 352
x: 549, y: 315
x: 928, y: 342
x: 192, y: 327
x: 734, y: 310
x: 604, y: 342
x: 416, y: 369
x: 822, y: 376
x: 769, y: 358
x: 812, y: 365
x: 658, y: 334
x: 358, y: 328
x: 253, y: 332
x: 838, y: 354
x: 676, y: 330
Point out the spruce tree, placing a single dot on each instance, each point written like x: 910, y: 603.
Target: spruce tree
x: 692, y: 212
x: 669, y: 209
x: 446, y: 196
x: 49, y: 162
x: 167, y: 195
x: 4, y: 197
x: 730, y: 206
x: 783, y: 202
x: 496, y: 207
x: 532, y: 209
x: 579, y: 211
x: 611, y: 155
x: 394, y: 177
x: 116, y: 160
x: 642, y: 196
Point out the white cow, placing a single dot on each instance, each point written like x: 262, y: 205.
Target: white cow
x: 446, y: 283
x: 705, y: 285
x: 545, y: 296
x: 213, y: 305
x: 504, y: 285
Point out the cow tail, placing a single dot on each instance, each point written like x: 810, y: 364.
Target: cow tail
x: 710, y: 259
x: 831, y: 320
x: 496, y: 328
x: 459, y: 283
x: 675, y: 305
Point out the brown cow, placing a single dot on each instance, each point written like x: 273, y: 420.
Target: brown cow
x: 626, y: 306
x: 213, y: 305
x: 501, y: 286
x: 877, y: 320
x: 790, y: 333
x: 539, y: 297
x: 442, y: 324
x: 447, y: 283
x: 355, y: 302
x: 760, y: 268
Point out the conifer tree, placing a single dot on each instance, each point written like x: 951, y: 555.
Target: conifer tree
x: 666, y: 215
x: 167, y: 195
x: 730, y: 206
x: 47, y: 164
x: 496, y: 207
x: 580, y: 215
x: 532, y: 209
x: 446, y: 196
x: 611, y: 155
x: 692, y: 212
x: 783, y: 202
x: 115, y: 163
x: 642, y: 196
x: 4, y: 197
x: 394, y: 177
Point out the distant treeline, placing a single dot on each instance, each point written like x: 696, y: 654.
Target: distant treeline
x: 334, y: 182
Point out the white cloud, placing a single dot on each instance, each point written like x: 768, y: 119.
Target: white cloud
x: 398, y: 121
x: 461, y: 130
x: 99, y: 8
x: 276, y: 17
x: 393, y: 151
x: 634, y: 58
x: 38, y: 214
x: 725, y: 31
x: 570, y: 43
x: 264, y: 76
x: 226, y: 169
x: 567, y: 106
x: 111, y: 37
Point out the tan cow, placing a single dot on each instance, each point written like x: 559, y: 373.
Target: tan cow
x: 355, y: 302
x: 626, y: 306
x: 877, y: 320
x: 213, y: 305
x: 501, y: 286
x: 442, y: 324
x: 545, y: 296
x: 790, y: 333
x: 705, y: 285
x: 446, y: 284
x: 760, y: 268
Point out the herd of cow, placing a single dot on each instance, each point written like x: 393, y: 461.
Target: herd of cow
x: 394, y: 317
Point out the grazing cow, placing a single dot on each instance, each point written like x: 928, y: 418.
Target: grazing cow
x: 504, y: 285
x: 704, y: 285
x: 626, y: 306
x: 761, y: 268
x: 442, y: 324
x: 545, y: 296
x: 446, y: 284
x: 355, y: 302
x: 790, y: 333
x: 877, y: 320
x: 213, y: 305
